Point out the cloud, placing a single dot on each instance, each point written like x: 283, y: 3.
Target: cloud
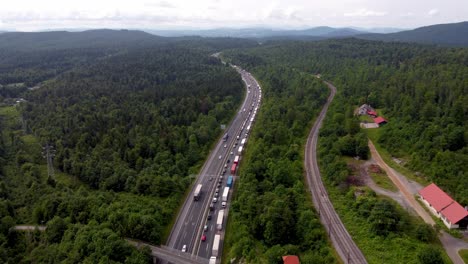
x: 409, y: 14
x: 289, y: 13
x: 433, y: 12
x: 363, y: 12
x: 163, y: 4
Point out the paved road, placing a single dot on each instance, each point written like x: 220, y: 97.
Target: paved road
x: 342, y: 241
x: 193, y: 215
x: 173, y: 255
x: 451, y: 244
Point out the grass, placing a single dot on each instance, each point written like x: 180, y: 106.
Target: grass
x: 464, y: 255
x: 383, y: 181
x: 366, y: 118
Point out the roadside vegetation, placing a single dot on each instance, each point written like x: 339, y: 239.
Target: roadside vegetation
x: 128, y: 130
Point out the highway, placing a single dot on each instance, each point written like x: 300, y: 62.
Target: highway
x: 341, y: 240
x: 193, y: 215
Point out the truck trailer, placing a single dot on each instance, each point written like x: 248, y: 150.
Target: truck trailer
x: 216, y: 242
x: 233, y: 168
x: 225, y: 194
x: 230, y: 181
x: 219, y: 222
x: 197, y: 193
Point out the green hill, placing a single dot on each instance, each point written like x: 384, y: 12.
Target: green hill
x: 455, y: 34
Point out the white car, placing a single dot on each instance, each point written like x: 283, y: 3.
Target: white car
x: 184, y: 248
x: 220, y: 156
x: 225, y: 145
x: 223, y: 204
x: 215, y: 200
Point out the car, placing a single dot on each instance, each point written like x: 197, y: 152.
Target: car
x: 215, y: 200
x: 211, y: 178
x: 225, y: 166
x: 217, y: 190
x: 209, y: 217
x: 225, y: 145
x: 219, y: 185
x: 224, y: 171
x: 184, y: 248
x: 205, y: 228
x: 211, y: 206
x: 220, y: 180
x: 203, y: 238
x: 216, y: 195
x: 221, y: 177
x: 232, y: 153
x: 223, y: 204
x: 220, y: 156
x: 229, y: 159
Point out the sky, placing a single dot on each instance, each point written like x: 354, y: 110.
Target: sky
x: 36, y: 15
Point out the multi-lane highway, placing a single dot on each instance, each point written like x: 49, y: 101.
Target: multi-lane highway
x: 342, y: 241
x: 193, y: 216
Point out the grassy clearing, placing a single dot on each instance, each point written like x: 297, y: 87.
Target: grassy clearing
x: 464, y: 255
x: 382, y: 180
x: 366, y: 118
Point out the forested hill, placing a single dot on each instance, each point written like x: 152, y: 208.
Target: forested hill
x: 29, y: 58
x: 455, y: 34
x: 27, y: 41
x: 421, y: 89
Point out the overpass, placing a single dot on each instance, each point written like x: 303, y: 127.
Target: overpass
x: 170, y: 254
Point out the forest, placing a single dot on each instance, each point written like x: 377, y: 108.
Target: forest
x: 421, y: 90
x: 271, y: 214
x: 128, y: 130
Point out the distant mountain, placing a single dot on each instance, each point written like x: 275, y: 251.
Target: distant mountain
x: 383, y: 30
x: 64, y: 40
x: 322, y: 32
x: 455, y: 34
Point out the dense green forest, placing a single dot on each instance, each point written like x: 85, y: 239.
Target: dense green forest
x: 421, y: 90
x: 128, y: 131
x: 271, y: 214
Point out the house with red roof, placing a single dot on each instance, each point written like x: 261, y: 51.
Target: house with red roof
x: 443, y: 206
x: 380, y: 121
x: 291, y: 259
x: 372, y: 113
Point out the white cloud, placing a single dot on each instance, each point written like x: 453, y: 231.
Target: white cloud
x: 433, y: 12
x: 363, y: 12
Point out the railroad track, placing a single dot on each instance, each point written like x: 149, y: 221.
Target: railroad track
x: 341, y: 240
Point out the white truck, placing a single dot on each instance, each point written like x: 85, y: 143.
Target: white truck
x: 197, y: 193
x: 243, y: 141
x: 225, y: 194
x: 240, y: 150
x: 219, y: 222
x: 215, y: 249
x: 212, y: 260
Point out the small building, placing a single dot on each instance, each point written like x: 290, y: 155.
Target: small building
x: 444, y: 207
x: 362, y: 110
x: 371, y: 113
x: 380, y: 121
x: 291, y: 259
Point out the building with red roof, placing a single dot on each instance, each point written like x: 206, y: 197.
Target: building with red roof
x: 380, y: 121
x: 291, y: 259
x: 372, y: 113
x: 443, y: 206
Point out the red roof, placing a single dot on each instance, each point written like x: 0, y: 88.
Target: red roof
x: 436, y: 197
x: 371, y: 112
x: 455, y: 212
x: 443, y: 203
x: 380, y: 120
x: 291, y: 259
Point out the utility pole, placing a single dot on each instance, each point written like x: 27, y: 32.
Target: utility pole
x: 48, y: 153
